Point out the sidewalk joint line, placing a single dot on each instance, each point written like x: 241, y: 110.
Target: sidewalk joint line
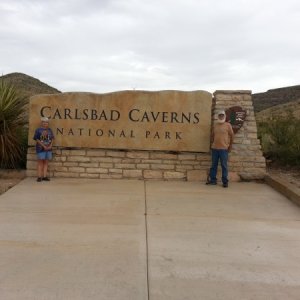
x: 146, y: 231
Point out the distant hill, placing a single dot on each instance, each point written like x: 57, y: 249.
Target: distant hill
x: 30, y: 86
x: 274, y: 97
x: 27, y: 85
x: 282, y: 110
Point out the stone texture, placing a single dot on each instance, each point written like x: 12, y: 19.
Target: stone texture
x: 162, y: 120
x: 119, y: 171
x: 31, y: 164
x: 76, y: 169
x: 196, y: 175
x: 66, y: 174
x: 125, y: 166
x: 186, y: 156
x: 78, y: 158
x: 132, y: 173
x: 111, y: 176
x: 183, y: 168
x: 96, y: 152
x: 143, y: 166
x: 162, y: 156
x: 68, y: 164
x: 60, y: 169
x: 245, y: 159
x: 152, y: 161
x: 106, y: 165
x: 105, y: 159
x: 162, y: 167
x: 143, y: 155
x: 31, y: 156
x: 234, y: 176
x: 253, y: 174
x: 115, y: 154
x: 150, y: 174
x: 59, y: 157
x: 97, y: 170
x: 174, y: 175
x: 87, y: 175
x: 31, y: 150
x: 90, y: 165
x: 77, y: 152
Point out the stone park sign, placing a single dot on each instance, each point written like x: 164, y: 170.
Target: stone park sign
x: 137, y: 120
x: 165, y: 135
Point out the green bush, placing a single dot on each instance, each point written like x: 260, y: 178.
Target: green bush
x: 12, y: 131
x: 280, y: 139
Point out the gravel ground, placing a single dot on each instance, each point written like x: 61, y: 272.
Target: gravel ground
x: 9, y: 178
x: 292, y: 175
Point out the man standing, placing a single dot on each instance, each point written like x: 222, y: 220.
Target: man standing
x: 222, y: 139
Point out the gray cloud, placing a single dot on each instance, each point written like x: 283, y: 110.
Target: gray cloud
x: 109, y: 45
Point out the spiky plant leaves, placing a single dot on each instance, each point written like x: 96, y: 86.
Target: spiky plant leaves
x: 11, y: 124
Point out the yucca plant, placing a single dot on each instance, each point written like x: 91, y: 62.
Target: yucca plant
x: 11, y: 126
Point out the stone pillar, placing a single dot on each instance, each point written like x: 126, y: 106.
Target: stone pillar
x: 246, y: 159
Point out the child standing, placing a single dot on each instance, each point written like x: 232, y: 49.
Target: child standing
x: 44, y: 138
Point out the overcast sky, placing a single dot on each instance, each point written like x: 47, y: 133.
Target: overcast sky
x: 109, y: 45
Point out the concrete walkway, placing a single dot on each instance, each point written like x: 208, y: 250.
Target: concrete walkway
x: 118, y: 240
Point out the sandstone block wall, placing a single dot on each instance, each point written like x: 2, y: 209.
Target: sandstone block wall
x: 98, y: 163
x: 245, y: 160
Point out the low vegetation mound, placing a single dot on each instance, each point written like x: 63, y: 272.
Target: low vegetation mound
x: 274, y: 97
x: 280, y: 111
x: 28, y: 86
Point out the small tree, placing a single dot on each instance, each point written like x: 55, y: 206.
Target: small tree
x: 11, y: 126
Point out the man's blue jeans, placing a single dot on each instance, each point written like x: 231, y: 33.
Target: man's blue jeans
x: 216, y: 155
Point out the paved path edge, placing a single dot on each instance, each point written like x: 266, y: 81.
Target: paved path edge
x: 284, y: 187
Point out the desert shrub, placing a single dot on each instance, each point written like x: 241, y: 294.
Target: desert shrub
x: 280, y: 139
x: 12, y: 131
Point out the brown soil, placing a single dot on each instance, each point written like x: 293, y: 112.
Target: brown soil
x: 9, y: 178
x: 292, y: 175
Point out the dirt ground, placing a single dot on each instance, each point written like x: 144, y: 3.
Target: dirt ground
x: 9, y: 178
x: 292, y: 175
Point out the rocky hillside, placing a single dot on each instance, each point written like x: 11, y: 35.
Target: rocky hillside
x: 282, y: 110
x: 274, y: 97
x: 27, y: 85
x: 30, y: 86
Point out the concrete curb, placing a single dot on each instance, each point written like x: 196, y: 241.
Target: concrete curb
x: 284, y: 187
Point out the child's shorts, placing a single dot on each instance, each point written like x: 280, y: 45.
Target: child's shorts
x: 44, y: 155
